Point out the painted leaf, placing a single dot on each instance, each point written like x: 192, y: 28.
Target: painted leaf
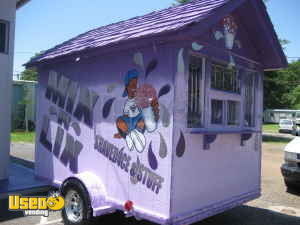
x: 151, y: 67
x: 180, y: 63
x: 138, y: 59
x: 163, y: 150
x: 180, y: 149
x: 152, y: 158
x: 76, y: 128
x: 164, y: 90
x: 196, y: 46
x: 107, y: 107
x: 218, y: 35
x: 165, y: 116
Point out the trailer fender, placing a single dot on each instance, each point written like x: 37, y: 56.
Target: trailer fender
x: 94, y: 187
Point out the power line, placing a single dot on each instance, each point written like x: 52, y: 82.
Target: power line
x: 24, y: 52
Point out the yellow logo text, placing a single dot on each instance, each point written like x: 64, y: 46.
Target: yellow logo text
x: 36, y: 205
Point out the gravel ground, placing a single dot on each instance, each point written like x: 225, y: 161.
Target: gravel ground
x: 275, y: 207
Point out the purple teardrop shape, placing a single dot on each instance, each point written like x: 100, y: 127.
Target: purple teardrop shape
x: 152, y: 158
x: 180, y: 149
x: 107, y: 107
x: 164, y: 90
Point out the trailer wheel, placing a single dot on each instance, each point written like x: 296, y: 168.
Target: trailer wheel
x: 290, y: 185
x: 77, y: 210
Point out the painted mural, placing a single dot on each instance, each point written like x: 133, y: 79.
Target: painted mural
x: 140, y: 112
x: 72, y: 106
x: 68, y: 116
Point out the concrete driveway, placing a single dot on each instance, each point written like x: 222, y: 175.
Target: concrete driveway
x: 275, y: 207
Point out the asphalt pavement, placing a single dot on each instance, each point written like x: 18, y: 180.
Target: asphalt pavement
x: 277, y: 205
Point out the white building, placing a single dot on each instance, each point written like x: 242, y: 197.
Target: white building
x: 275, y: 115
x: 7, y: 36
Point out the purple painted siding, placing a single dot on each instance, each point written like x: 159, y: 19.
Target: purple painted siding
x: 113, y: 130
x: 106, y: 79
x: 206, y: 179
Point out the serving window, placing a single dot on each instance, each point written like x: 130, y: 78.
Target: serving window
x: 225, y: 79
x: 220, y: 97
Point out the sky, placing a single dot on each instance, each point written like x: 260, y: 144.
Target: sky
x: 42, y: 24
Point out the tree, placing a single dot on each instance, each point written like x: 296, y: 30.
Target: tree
x: 31, y: 74
x: 182, y: 1
x: 282, y: 88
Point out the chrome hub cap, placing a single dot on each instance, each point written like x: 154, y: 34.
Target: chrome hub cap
x: 74, y: 206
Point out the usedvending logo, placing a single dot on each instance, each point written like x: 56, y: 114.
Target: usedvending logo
x: 36, y: 206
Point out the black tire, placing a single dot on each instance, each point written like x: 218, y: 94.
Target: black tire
x: 87, y: 211
x: 290, y: 185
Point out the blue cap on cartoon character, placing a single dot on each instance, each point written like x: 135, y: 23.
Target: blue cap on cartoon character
x: 131, y: 74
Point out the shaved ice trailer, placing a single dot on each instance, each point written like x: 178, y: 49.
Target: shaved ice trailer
x: 158, y: 116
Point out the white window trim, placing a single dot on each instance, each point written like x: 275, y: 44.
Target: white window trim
x: 208, y: 93
x: 202, y: 90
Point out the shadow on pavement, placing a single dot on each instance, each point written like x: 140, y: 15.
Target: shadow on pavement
x: 243, y: 215
x: 293, y: 191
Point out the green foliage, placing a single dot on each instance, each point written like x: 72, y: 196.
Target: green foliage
x: 270, y: 128
x: 282, y: 88
x: 182, y: 1
x: 29, y: 74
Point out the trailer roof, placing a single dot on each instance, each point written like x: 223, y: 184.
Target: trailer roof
x: 20, y: 3
x: 156, y: 23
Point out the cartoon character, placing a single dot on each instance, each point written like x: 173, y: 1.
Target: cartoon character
x: 140, y: 113
x: 230, y: 30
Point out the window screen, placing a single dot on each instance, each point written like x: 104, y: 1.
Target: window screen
x: 233, y: 113
x: 3, y: 37
x: 225, y: 79
x: 194, y: 93
x: 249, y: 99
x: 216, y: 111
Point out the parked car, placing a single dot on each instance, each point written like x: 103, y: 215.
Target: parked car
x: 296, y: 130
x: 286, y: 126
x: 291, y: 167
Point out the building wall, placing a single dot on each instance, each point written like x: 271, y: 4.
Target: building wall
x: 23, y: 105
x: 274, y: 116
x: 7, y: 12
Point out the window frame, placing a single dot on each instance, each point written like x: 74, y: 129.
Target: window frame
x: 7, y: 35
x: 256, y: 84
x: 202, y: 90
x: 225, y: 96
x: 209, y: 93
x: 238, y: 81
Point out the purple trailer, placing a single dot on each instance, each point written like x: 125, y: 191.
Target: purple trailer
x: 158, y: 116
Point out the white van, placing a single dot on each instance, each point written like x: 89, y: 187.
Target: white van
x: 286, y: 126
x: 291, y: 167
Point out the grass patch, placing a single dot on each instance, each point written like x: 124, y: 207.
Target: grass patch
x: 270, y: 128
x: 28, y: 137
x: 283, y: 140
